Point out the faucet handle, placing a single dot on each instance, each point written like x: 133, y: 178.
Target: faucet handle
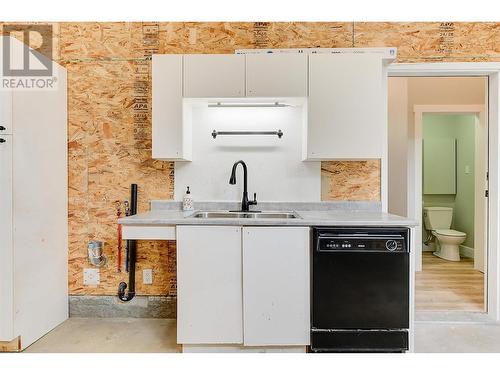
x: 254, y: 199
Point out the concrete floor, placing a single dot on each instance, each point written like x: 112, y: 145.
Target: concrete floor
x: 116, y: 335
x: 456, y: 332
x: 97, y: 335
x: 457, y: 338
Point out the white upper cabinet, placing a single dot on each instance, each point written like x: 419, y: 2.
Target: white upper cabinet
x: 220, y: 76
x: 346, y: 91
x: 276, y: 74
x: 6, y: 112
x: 346, y: 107
x: 171, y: 135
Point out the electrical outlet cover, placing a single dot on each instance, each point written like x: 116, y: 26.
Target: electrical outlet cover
x: 91, y: 276
x: 147, y: 276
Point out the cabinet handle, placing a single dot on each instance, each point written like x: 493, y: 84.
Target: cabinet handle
x: 2, y: 127
x: 2, y: 140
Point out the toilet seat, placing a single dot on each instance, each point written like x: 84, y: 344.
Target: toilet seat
x: 450, y: 232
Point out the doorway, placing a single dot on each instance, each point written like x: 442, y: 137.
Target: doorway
x: 454, y: 207
x: 445, y: 164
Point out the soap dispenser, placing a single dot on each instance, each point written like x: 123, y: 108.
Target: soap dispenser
x: 187, y: 201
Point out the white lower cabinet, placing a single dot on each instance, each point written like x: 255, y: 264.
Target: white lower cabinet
x: 243, y: 285
x: 276, y: 286
x: 209, y: 286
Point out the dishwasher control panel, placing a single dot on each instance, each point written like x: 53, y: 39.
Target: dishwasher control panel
x: 362, y: 242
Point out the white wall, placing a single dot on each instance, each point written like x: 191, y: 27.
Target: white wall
x: 398, y: 144
x: 275, y: 169
x: 445, y: 90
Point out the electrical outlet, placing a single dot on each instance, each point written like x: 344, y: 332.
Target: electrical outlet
x: 147, y: 276
x: 91, y: 276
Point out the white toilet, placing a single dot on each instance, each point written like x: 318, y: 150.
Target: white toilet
x: 438, y: 221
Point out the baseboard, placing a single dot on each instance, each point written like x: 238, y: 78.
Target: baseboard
x: 113, y: 307
x: 11, y: 346
x: 236, y: 348
x: 466, y: 252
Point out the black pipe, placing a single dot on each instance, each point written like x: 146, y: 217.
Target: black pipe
x: 132, y: 246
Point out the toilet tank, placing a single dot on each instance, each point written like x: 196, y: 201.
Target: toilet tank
x: 437, y: 217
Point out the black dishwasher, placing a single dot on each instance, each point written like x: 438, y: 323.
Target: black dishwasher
x: 360, y: 289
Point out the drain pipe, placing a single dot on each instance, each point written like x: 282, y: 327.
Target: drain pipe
x: 132, y: 246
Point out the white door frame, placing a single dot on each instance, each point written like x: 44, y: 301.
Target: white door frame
x: 492, y: 71
x: 415, y: 200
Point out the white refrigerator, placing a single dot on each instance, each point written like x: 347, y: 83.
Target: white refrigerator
x: 33, y: 210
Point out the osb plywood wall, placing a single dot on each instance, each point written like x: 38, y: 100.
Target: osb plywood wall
x: 352, y: 180
x: 109, y: 79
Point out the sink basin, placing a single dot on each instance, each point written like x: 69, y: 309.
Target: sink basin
x: 246, y: 215
x: 276, y: 215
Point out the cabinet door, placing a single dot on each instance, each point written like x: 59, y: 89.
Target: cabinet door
x: 276, y: 74
x: 276, y: 286
x: 346, y: 108
x: 170, y: 134
x: 220, y: 76
x: 5, y: 112
x: 6, y: 259
x: 209, y: 286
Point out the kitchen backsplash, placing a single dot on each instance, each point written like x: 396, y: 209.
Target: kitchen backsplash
x: 276, y: 171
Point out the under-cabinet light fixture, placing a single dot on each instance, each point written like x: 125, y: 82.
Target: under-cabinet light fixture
x: 246, y: 105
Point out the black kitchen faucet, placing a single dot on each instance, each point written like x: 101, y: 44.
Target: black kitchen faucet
x: 245, y: 203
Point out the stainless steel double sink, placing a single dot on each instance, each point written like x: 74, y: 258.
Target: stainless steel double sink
x: 246, y: 215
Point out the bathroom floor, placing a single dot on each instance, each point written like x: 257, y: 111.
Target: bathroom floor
x: 444, y: 285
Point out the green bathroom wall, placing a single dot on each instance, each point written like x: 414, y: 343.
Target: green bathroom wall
x: 461, y: 128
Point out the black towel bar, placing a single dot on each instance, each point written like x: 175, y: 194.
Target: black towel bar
x: 215, y: 133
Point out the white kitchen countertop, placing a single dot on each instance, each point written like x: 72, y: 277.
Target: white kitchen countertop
x: 326, y: 216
